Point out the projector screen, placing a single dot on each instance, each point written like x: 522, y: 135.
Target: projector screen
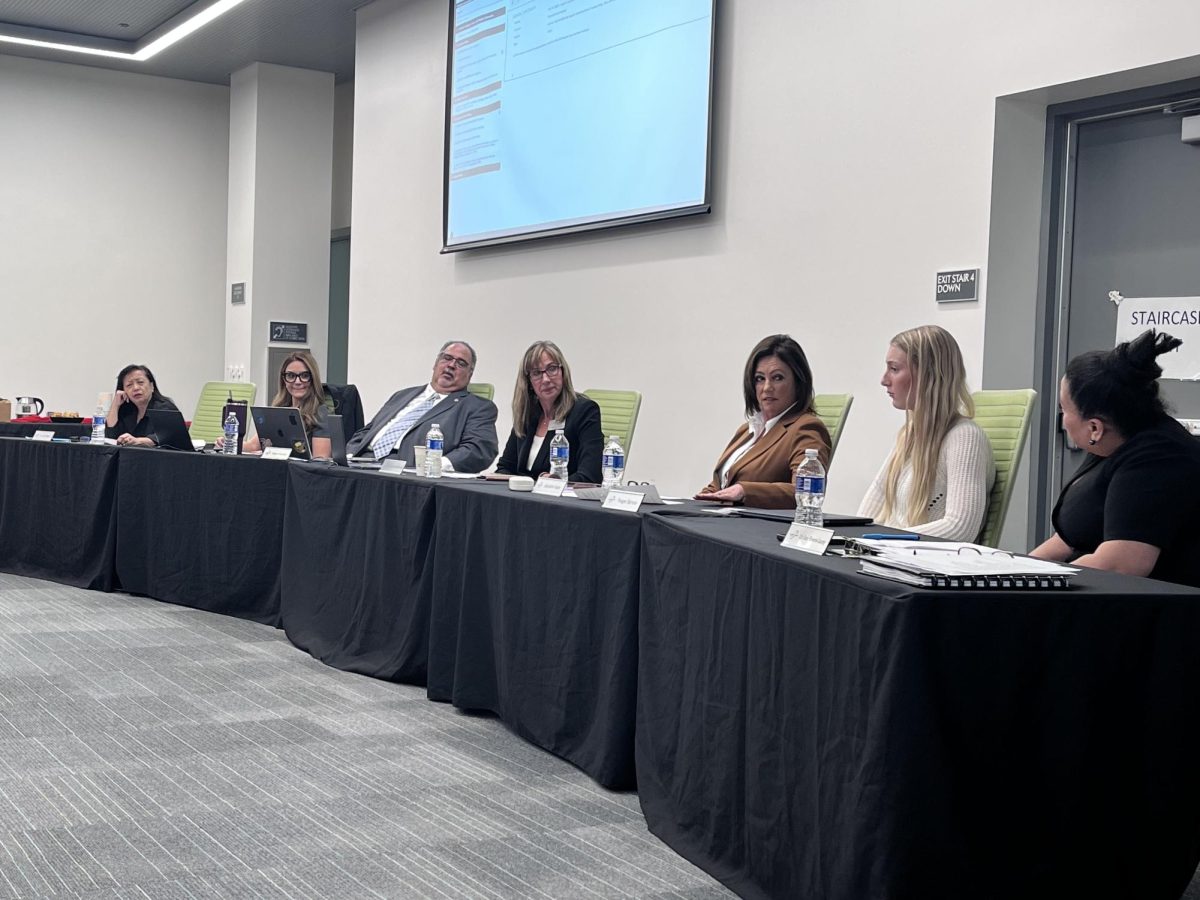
x: 564, y: 115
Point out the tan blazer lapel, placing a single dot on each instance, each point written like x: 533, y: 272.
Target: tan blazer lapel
x: 765, y: 444
x: 739, y: 438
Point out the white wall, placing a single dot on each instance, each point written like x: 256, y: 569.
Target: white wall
x: 112, y: 231
x: 852, y: 160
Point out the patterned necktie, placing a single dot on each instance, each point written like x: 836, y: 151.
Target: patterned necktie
x: 400, y: 426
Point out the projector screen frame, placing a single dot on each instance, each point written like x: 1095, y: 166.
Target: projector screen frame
x: 560, y: 229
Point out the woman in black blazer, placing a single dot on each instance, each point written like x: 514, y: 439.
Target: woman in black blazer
x: 545, y: 400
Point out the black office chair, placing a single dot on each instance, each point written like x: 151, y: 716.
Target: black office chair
x: 348, y: 405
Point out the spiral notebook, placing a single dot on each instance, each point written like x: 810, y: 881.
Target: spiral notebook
x: 963, y: 566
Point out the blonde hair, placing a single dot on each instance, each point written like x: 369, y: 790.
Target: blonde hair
x: 313, y: 400
x: 938, y: 398
x: 524, y: 399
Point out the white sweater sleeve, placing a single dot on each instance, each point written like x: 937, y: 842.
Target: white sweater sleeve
x: 970, y: 471
x: 872, y: 501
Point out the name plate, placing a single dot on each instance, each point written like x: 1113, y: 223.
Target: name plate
x: 550, y: 487
x: 808, y: 538
x: 627, y: 500
x: 392, y: 467
x: 277, y: 453
x: 43, y: 435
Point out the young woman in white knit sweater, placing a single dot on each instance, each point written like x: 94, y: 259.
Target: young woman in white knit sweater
x: 939, y: 474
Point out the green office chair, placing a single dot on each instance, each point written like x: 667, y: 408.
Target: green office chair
x: 482, y: 389
x: 206, y: 423
x: 618, y: 414
x: 832, y: 409
x: 1004, y: 417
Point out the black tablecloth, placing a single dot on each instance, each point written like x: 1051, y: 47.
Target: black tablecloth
x: 355, y: 550
x: 60, y: 429
x: 805, y: 731
x: 57, y: 513
x: 202, y: 530
x: 535, y: 619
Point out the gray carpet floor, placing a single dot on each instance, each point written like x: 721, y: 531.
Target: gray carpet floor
x: 153, y: 751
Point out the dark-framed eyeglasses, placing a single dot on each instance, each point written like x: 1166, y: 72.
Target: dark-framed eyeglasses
x: 553, y: 371
x: 302, y: 377
x: 458, y: 363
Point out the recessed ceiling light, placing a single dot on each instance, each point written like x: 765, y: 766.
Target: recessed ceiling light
x: 152, y: 44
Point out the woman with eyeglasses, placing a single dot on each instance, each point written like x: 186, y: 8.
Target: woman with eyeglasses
x: 937, y: 479
x: 757, y: 466
x: 1131, y: 507
x: 300, y: 386
x: 544, y: 400
x: 136, y: 392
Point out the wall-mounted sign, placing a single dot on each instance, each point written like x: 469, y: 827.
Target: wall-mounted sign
x: 289, y: 332
x: 1179, y: 316
x: 957, y: 285
x: 237, y: 292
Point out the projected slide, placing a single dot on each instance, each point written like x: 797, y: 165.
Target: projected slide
x: 565, y: 113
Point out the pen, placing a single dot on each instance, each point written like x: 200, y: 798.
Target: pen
x: 892, y: 537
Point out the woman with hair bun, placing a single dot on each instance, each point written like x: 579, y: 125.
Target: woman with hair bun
x: 1132, y: 505
x: 939, y: 474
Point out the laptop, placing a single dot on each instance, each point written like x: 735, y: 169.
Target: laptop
x: 170, y: 430
x: 281, y: 426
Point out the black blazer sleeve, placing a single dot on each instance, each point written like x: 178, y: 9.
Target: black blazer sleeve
x: 510, y: 459
x: 587, y: 441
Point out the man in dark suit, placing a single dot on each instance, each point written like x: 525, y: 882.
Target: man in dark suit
x: 468, y: 422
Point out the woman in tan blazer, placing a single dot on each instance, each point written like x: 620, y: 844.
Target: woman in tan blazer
x: 758, y: 465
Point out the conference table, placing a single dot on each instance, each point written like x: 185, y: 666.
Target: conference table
x: 792, y: 726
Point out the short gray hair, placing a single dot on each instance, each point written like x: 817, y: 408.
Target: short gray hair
x: 470, y: 350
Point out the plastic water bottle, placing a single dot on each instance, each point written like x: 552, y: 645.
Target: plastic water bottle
x: 433, y: 451
x: 560, y: 455
x: 98, y: 421
x: 810, y: 490
x: 614, y: 463
x: 229, y: 446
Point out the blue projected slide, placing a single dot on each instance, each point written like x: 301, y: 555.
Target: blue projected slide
x: 567, y: 113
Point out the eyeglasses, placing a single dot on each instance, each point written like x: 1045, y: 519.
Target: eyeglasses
x: 459, y: 363
x: 303, y: 377
x: 551, y: 371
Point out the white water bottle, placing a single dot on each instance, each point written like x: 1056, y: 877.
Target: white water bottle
x: 433, y: 451
x: 614, y: 463
x: 98, y: 421
x: 229, y: 446
x: 560, y: 455
x: 810, y: 490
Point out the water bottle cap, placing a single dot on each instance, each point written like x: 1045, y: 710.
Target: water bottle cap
x: 810, y: 453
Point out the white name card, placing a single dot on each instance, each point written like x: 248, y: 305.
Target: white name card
x: 392, y: 467
x: 550, y: 487
x: 627, y: 500
x: 808, y: 538
x: 277, y: 453
x: 43, y: 435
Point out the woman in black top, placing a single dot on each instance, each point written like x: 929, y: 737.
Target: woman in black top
x: 136, y: 392
x: 544, y: 401
x: 1132, y: 505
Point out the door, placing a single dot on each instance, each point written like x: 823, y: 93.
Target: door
x: 1133, y: 226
